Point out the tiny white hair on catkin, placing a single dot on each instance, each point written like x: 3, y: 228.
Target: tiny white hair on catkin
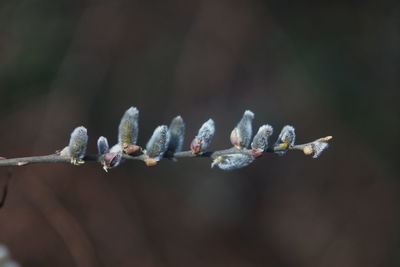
x: 116, y: 148
x: 128, y: 129
x: 248, y: 113
x: 158, y: 143
x: 78, y: 142
x: 232, y: 161
x: 318, y: 148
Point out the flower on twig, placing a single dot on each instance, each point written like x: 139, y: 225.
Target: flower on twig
x: 203, y: 138
x: 128, y: 131
x: 242, y: 133
x: 317, y: 147
x: 176, y: 133
x: 157, y: 145
x: 286, y: 139
x: 260, y: 140
x: 76, y: 148
x: 232, y: 161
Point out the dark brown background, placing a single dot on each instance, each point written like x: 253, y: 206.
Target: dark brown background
x: 328, y: 69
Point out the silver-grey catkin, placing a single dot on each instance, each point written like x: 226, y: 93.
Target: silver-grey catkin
x: 286, y: 139
x: 318, y: 148
x: 158, y: 143
x: 78, y: 143
x: 128, y: 129
x: 260, y: 140
x: 176, y: 132
x: 287, y: 136
x: 206, y: 134
x: 232, y: 161
x: 114, y: 157
x: 244, y: 129
x: 102, y: 145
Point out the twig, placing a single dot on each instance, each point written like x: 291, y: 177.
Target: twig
x: 167, y: 142
x: 57, y: 158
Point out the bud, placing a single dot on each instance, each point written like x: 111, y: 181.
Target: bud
x: 316, y: 148
x: 203, y: 138
x: 260, y: 140
x: 158, y: 143
x: 241, y: 134
x: 76, y: 148
x: 128, y: 127
x: 232, y: 161
x: 176, y: 132
x: 112, y: 158
x: 102, y: 145
x: 286, y: 139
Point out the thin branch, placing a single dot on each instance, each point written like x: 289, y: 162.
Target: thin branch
x: 57, y: 158
x: 166, y: 142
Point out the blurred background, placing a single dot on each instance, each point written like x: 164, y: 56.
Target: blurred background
x: 326, y: 68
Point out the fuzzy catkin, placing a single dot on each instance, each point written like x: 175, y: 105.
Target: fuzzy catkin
x: 176, y: 132
x: 242, y: 133
x: 232, y: 161
x: 128, y: 129
x: 287, y: 135
x: 260, y: 140
x: 102, y: 145
x: 204, y: 137
x: 78, y: 143
x: 318, y: 148
x: 158, y: 143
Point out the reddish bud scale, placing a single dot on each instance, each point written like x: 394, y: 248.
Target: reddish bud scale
x: 130, y: 148
x: 195, y: 146
x: 256, y: 152
x: 111, y: 159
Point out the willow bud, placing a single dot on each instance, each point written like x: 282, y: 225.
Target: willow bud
x: 112, y: 158
x: 128, y: 129
x: 232, y: 161
x: 317, y: 147
x: 203, y: 138
x: 260, y: 140
x: 158, y: 143
x: 102, y: 145
x: 286, y: 139
x: 76, y: 148
x: 241, y: 134
x: 176, y: 132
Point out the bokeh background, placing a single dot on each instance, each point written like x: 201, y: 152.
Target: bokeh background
x: 328, y: 68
